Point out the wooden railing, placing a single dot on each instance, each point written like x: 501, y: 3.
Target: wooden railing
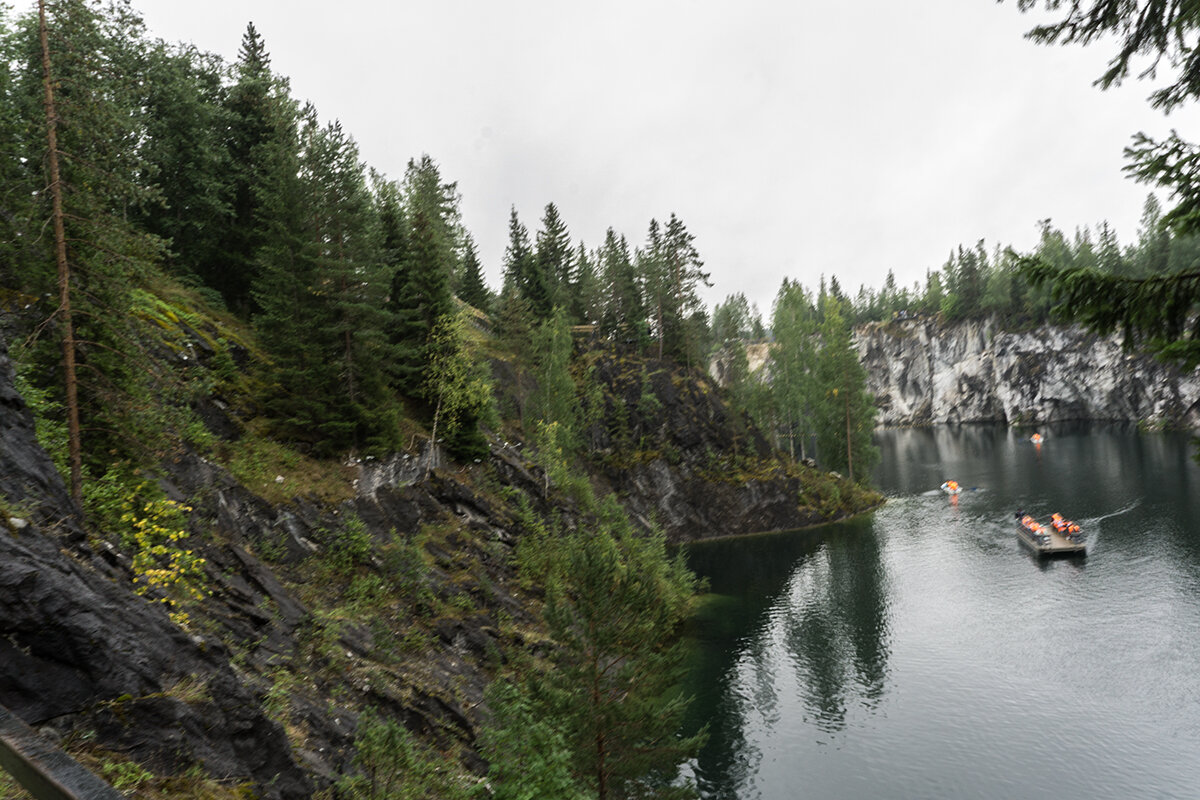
x: 43, y: 769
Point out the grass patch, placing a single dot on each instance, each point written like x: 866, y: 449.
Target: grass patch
x: 278, y: 473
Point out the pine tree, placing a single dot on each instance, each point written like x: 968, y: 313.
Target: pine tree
x: 685, y: 275
x: 731, y: 319
x: 66, y: 322
x: 653, y: 273
x: 527, y: 756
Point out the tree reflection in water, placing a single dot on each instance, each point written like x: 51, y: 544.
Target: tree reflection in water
x: 807, y: 634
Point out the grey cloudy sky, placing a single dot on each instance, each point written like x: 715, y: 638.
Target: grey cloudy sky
x: 794, y: 140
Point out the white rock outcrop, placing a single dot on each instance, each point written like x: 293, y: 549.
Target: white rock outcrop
x: 923, y: 372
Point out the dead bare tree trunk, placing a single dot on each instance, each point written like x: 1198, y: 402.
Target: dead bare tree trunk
x: 71, y: 384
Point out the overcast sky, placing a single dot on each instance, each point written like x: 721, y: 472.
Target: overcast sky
x: 794, y: 140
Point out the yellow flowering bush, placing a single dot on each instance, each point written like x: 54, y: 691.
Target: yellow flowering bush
x: 161, y: 561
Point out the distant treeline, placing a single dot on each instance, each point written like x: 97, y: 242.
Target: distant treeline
x: 975, y: 282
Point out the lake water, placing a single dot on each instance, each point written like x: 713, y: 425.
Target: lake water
x: 923, y: 652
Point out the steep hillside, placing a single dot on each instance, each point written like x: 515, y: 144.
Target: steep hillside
x: 313, y: 592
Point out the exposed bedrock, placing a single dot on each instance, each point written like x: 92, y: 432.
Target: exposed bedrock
x: 923, y: 372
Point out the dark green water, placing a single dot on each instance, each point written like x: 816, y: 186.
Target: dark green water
x: 924, y: 653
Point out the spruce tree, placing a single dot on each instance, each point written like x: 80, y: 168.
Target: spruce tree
x: 585, y: 289
x: 393, y: 227
x: 521, y: 270
x: 844, y: 410
x: 344, y: 230
x: 425, y: 191
x: 295, y: 317
x: 260, y: 114
x: 472, y: 290
x: 1159, y: 311
x: 186, y: 155
x: 419, y: 300
x: 553, y: 257
x: 623, y: 317
x: 616, y: 607
x: 82, y: 123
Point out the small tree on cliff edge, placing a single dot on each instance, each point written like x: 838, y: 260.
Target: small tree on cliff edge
x: 617, y: 609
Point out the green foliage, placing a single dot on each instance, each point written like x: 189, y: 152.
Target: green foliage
x: 48, y: 415
x: 10, y: 789
x: 523, y: 276
x: 616, y: 604
x: 459, y: 387
x: 392, y: 766
x: 472, y: 290
x: 528, y: 757
x: 259, y: 462
x: 844, y: 410
x: 670, y: 269
x: 1157, y: 312
x: 350, y: 546
x: 736, y: 319
x: 1163, y: 32
x: 792, y: 367
x: 537, y: 549
x: 553, y: 262
x: 406, y: 568
x: 125, y: 776
x: 554, y: 400
x: 1156, y: 309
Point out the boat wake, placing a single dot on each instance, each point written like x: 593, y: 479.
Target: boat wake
x: 1093, y: 527
x: 1120, y: 511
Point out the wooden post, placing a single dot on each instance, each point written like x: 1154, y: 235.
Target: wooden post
x: 43, y: 769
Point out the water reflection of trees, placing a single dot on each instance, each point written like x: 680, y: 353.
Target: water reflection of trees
x: 835, y: 628
x: 809, y: 625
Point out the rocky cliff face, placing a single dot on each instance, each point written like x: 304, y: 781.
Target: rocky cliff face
x: 676, y: 456
x: 80, y: 651
x: 922, y: 372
